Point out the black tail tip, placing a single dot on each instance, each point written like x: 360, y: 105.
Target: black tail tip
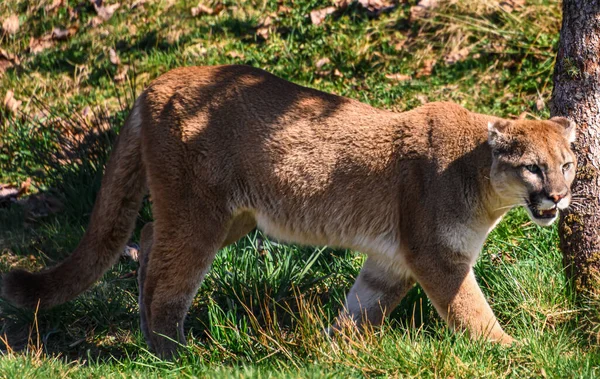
x: 22, y: 289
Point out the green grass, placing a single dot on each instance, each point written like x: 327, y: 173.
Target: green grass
x: 261, y: 309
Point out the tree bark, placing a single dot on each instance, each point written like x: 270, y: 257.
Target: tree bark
x: 576, y: 95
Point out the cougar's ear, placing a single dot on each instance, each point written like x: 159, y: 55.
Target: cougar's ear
x: 498, y: 133
x: 569, y: 128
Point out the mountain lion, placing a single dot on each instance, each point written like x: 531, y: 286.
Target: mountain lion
x: 225, y: 149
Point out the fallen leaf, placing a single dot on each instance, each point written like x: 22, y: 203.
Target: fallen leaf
x: 7, y: 61
x: 113, y: 57
x: 264, y: 27
x: 426, y: 69
x: 457, y: 56
x: 105, y: 12
x: 62, y: 34
x: 235, y: 55
x: 423, y: 99
x: 173, y: 36
x: 203, y: 9
x: 263, y: 32
x: 10, y: 25
x: 422, y: 9
x: 282, y: 9
x: 10, y: 103
x: 121, y: 74
x: 37, y: 45
x: 137, y: 3
x: 540, y: 104
x: 337, y: 73
x: 399, y: 46
x: 376, y: 7
x: 318, y: 16
x: 511, y: 5
x: 398, y: 77
x: 24, y: 187
x: 342, y: 4
x: 196, y: 50
x: 322, y: 62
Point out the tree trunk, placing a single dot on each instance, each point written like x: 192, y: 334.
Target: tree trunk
x: 576, y: 95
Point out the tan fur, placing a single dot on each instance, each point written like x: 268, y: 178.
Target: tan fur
x: 223, y: 149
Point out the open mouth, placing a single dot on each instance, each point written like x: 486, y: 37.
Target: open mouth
x: 543, y: 213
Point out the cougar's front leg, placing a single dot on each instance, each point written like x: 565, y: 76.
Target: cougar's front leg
x: 376, y: 292
x: 453, y: 290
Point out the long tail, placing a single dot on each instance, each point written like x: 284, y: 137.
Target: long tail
x: 111, y: 224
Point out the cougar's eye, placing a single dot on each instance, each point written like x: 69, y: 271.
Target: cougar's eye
x: 567, y: 166
x: 533, y: 168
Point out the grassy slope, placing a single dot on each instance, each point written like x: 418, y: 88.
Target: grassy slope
x: 260, y: 310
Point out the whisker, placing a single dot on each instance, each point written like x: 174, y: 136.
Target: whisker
x: 510, y: 206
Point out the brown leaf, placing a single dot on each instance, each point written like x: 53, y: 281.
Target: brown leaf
x: 399, y: 46
x: 202, y: 9
x: 322, y: 62
x: 342, y: 4
x: 62, y: 34
x: 24, y: 188
x: 398, y: 77
x: 10, y: 25
x: 105, y: 12
x: 457, y: 56
x: 422, y: 9
x: 426, y: 69
x: 173, y: 35
x: 264, y: 27
x: 318, y: 16
x: 235, y: 55
x: 113, y: 57
x: 121, y: 74
x: 511, y: 5
x: 282, y: 9
x: 37, y: 45
x: 137, y: 4
x: 263, y: 32
x: 376, y: 7
x: 10, y: 103
x: 7, y: 61
x: 423, y: 99
x: 540, y: 104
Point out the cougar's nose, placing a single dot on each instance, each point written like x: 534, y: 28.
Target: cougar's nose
x: 556, y: 197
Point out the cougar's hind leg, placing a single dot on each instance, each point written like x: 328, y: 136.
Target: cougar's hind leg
x: 240, y: 227
x: 187, y: 234
x: 145, y: 250
x: 377, y: 291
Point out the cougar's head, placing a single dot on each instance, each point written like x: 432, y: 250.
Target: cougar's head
x: 533, y: 165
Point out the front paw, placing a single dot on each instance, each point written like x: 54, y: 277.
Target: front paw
x: 506, y: 340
